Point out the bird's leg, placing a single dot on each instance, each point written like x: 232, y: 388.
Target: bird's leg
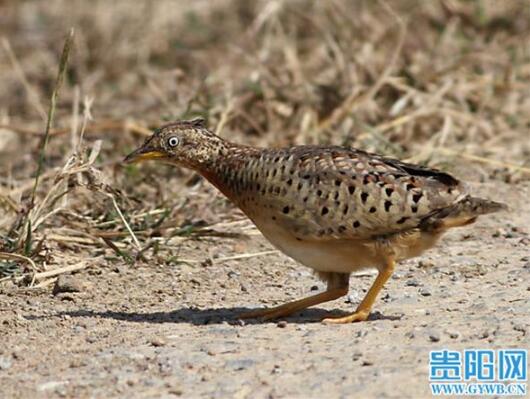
x: 363, y: 310
x: 333, y: 291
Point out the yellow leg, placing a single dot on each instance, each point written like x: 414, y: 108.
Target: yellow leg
x: 363, y: 310
x: 291, y: 307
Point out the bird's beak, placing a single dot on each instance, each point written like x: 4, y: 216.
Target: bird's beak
x: 143, y: 154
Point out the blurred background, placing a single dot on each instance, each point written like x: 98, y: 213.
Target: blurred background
x: 444, y: 83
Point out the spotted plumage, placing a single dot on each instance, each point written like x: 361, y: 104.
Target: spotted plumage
x: 334, y: 209
x: 329, y: 193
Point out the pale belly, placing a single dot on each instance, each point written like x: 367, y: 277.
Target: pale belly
x: 340, y: 256
x: 346, y: 256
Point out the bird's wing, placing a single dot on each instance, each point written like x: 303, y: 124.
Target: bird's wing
x: 333, y: 193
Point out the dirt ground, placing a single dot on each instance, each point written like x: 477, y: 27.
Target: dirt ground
x: 165, y: 264
x: 155, y: 331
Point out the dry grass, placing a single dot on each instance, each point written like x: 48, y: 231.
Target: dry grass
x: 439, y: 82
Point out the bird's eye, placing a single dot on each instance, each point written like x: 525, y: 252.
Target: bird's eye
x: 173, y: 141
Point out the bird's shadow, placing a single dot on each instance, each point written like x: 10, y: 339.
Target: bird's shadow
x: 209, y: 316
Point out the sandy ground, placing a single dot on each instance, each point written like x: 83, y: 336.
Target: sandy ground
x: 173, y: 331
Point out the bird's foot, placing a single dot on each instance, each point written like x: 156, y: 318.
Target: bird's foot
x: 295, y: 306
x: 268, y: 313
x: 359, y: 315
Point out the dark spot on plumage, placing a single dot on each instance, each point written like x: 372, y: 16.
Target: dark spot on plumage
x: 364, y: 197
x: 277, y: 190
x: 299, y: 187
x: 306, y: 177
x: 336, y: 195
x: 298, y: 239
x: 402, y: 220
x: 305, y: 199
x: 373, y: 209
x: 342, y: 229
x: 319, y: 192
x: 337, y: 183
x: 274, y: 172
x: 356, y: 224
x: 388, y: 204
x: 324, y: 211
x: 274, y: 218
x: 289, y: 182
x: 285, y: 210
x: 345, y: 210
x: 416, y: 197
x: 409, y: 186
x: 258, y: 186
x: 366, y: 179
x: 351, y: 189
x: 330, y: 230
x: 321, y: 232
x: 414, y: 209
x: 389, y: 191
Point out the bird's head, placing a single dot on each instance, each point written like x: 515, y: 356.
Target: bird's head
x: 184, y: 143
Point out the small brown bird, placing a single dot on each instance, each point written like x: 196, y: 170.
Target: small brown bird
x: 336, y: 210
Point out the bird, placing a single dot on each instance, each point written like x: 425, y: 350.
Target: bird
x: 336, y: 210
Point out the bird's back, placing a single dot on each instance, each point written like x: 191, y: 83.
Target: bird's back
x: 319, y: 192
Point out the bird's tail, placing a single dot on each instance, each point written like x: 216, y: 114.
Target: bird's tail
x: 460, y: 213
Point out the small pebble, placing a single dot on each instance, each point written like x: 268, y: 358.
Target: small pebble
x: 5, y: 363
x: 67, y: 284
x: 521, y: 328
x: 367, y: 362
x: 353, y: 298
x: 158, y: 341
x: 425, y: 292
x: 175, y: 391
x: 207, y: 262
x: 499, y: 233
x: 434, y: 337
x: 412, y: 283
x: 65, y: 296
x: 425, y: 263
x: 281, y: 324
x: 453, y: 334
x: 484, y: 334
x: 91, y: 339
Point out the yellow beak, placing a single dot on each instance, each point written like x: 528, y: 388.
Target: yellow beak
x: 143, y: 154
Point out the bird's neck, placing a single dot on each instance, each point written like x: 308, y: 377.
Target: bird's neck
x: 226, y: 165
